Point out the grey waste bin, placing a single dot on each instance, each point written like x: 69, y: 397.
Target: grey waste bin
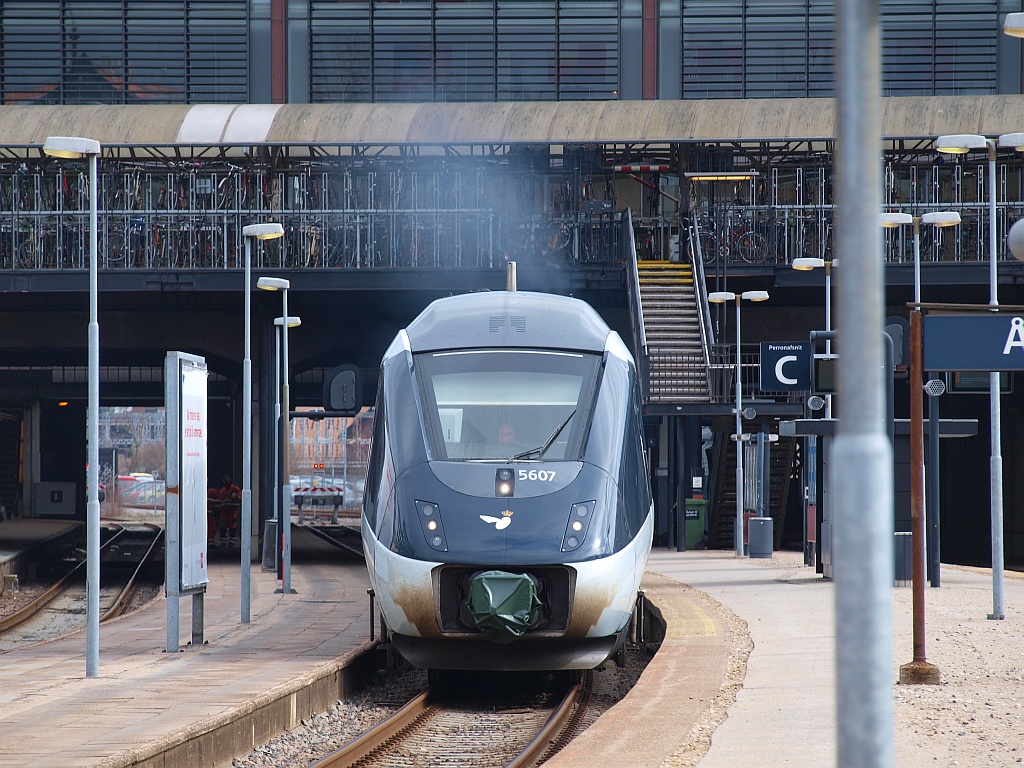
x: 760, y: 539
x: 903, y: 552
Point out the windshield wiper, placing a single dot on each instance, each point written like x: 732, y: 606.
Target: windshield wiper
x: 547, y: 443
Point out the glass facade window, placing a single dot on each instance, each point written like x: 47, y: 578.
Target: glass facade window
x: 785, y: 48
x: 198, y: 51
x: 130, y: 51
x: 340, y: 60
x: 478, y: 50
x: 466, y: 45
x: 939, y: 48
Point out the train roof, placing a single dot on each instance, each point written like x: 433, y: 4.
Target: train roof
x: 508, y: 319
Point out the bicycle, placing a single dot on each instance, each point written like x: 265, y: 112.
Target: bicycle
x: 742, y: 240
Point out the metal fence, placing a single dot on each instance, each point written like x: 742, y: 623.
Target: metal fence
x: 190, y: 218
x: 365, y: 212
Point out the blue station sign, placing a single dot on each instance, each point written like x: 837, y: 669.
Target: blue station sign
x: 785, y: 366
x: 991, y: 342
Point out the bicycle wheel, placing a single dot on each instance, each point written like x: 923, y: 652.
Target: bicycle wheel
x: 751, y: 247
x: 708, y: 247
x: 559, y: 236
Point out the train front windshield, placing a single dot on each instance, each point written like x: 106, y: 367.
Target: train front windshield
x: 496, y: 404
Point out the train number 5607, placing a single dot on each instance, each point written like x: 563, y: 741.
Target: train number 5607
x: 543, y: 475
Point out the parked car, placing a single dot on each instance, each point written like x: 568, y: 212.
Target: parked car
x: 144, y: 493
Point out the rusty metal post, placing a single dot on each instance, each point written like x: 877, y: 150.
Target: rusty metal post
x: 918, y: 671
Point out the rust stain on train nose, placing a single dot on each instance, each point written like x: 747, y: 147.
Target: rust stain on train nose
x: 587, y: 608
x: 417, y: 603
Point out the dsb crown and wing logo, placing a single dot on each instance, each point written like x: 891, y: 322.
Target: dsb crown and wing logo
x: 500, y: 523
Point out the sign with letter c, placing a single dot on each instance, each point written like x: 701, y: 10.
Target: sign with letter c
x: 785, y: 366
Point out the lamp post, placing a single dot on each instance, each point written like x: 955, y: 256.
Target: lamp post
x: 73, y: 147
x: 935, y: 218
x: 720, y: 297
x: 260, y: 232
x: 293, y: 322
x: 280, y: 284
x: 805, y: 264
x: 959, y: 144
x: 917, y: 490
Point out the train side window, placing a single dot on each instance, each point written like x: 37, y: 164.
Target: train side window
x: 375, y: 468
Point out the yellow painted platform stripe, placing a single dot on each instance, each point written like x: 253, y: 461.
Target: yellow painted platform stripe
x: 684, y: 616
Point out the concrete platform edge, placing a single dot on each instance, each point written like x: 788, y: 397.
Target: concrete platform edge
x: 216, y: 741
x: 669, y: 717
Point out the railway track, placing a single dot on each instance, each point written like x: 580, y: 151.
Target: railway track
x: 439, y: 728
x: 125, y: 557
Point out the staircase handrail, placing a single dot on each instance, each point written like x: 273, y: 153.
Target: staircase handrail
x: 700, y: 292
x: 636, y: 313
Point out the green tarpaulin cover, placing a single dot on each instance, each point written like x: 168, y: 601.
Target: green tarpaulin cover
x: 504, y: 605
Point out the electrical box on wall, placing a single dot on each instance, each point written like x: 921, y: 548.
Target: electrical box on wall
x: 55, y: 499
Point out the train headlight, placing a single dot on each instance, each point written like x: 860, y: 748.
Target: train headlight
x: 431, y: 525
x: 504, y: 481
x: 579, y: 522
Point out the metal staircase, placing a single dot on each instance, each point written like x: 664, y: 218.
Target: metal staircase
x: 676, y: 351
x: 722, y: 523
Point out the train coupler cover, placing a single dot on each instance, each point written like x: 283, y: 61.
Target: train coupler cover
x: 504, y: 605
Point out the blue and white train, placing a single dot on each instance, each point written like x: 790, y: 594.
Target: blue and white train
x: 507, y: 515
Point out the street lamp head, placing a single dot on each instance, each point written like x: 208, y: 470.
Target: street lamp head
x: 263, y: 231
x: 1013, y: 24
x: 754, y: 295
x: 273, y: 284
x: 892, y: 220
x: 941, y: 218
x: 960, y: 143
x: 1015, y: 140
x: 720, y: 297
x: 70, y: 146
x: 293, y: 321
x: 807, y: 263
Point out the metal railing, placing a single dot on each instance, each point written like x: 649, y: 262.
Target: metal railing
x: 721, y: 375
x: 636, y: 309
x: 191, y: 218
x: 364, y: 213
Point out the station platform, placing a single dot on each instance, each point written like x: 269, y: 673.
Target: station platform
x: 208, y: 703
x: 19, y: 535
x: 745, y: 675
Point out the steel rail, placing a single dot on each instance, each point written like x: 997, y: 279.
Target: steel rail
x: 554, y: 729
x: 559, y: 725
x: 121, y: 601
x: 37, y: 605
x: 369, y: 742
x: 27, y: 612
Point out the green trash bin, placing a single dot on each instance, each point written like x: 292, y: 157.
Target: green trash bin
x: 695, y: 511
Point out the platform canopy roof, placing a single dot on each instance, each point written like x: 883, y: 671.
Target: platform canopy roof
x: 497, y: 123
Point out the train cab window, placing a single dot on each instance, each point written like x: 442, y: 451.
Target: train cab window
x: 493, y: 404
